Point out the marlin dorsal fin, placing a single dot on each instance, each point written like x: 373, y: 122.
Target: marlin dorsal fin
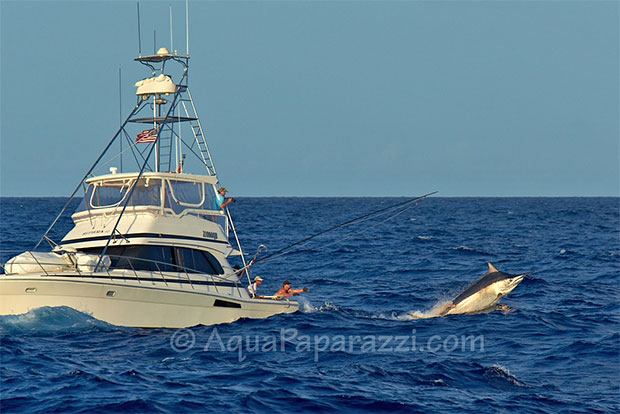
x: 492, y: 268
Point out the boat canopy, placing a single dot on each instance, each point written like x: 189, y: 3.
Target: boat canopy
x: 177, y: 192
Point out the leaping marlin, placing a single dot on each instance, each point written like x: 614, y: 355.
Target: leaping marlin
x: 484, y: 293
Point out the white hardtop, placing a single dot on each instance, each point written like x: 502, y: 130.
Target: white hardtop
x: 207, y: 179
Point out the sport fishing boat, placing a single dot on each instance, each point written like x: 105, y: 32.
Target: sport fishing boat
x: 152, y: 247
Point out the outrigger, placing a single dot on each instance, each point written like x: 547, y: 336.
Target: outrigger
x: 149, y: 248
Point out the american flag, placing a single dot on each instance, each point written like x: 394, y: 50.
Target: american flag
x: 146, y: 136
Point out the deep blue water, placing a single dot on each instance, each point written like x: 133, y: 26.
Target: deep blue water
x: 355, y: 347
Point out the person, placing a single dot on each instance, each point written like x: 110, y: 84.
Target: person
x: 220, y: 198
x: 286, y: 291
x: 254, y: 286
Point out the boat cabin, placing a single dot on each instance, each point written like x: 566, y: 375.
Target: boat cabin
x: 171, y: 222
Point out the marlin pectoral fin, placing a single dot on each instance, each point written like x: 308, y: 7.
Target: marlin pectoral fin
x: 446, y: 308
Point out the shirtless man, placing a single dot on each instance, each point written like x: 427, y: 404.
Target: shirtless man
x: 286, y: 291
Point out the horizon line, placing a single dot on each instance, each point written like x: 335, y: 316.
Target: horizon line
x: 365, y: 196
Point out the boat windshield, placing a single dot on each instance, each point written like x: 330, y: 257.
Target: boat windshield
x: 161, y: 258
x: 112, y: 193
x: 178, y: 195
x: 184, y: 195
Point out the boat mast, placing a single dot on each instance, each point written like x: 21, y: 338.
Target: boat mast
x: 156, y: 115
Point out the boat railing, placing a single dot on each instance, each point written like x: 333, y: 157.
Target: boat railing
x: 163, y: 269
x: 39, y: 263
x: 136, y: 266
x: 215, y: 216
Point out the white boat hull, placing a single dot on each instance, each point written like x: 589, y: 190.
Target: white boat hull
x: 131, y: 304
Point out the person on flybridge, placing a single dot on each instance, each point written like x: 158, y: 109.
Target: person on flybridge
x: 220, y: 198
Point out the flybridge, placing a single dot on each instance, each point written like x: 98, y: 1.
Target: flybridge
x: 170, y: 193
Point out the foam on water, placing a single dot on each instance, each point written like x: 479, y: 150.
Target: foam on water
x: 51, y: 319
x: 306, y: 306
x: 425, y: 237
x: 433, y: 312
x: 500, y: 375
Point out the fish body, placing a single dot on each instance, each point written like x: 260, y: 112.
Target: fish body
x: 484, y: 293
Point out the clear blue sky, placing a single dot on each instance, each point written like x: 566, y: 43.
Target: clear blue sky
x: 330, y: 98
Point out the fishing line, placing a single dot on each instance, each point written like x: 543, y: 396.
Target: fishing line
x: 366, y: 229
x: 272, y: 257
x: 275, y: 256
x: 359, y: 219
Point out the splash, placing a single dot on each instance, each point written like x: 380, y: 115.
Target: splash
x: 306, y: 306
x: 433, y: 312
x: 437, y: 309
x: 501, y: 377
x: 469, y: 250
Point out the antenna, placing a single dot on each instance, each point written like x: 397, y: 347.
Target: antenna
x: 120, y: 113
x: 120, y: 100
x: 139, y: 40
x: 154, y: 42
x: 171, y: 42
x: 187, y: 27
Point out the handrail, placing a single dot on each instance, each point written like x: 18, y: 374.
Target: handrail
x: 245, y: 266
x: 177, y: 269
x: 162, y: 275
x: 150, y: 207
x: 214, y: 279
x: 133, y: 270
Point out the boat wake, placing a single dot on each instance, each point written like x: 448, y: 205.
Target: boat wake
x: 51, y: 319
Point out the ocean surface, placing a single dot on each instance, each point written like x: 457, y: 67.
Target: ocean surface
x: 363, y: 341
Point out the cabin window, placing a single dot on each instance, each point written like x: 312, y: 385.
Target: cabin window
x: 112, y: 193
x: 161, y: 258
x: 107, y: 194
x: 196, y: 261
x: 183, y: 195
x: 186, y: 193
x: 152, y: 258
x: 147, y: 193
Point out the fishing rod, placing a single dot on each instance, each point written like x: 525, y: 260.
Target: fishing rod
x: 346, y: 223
